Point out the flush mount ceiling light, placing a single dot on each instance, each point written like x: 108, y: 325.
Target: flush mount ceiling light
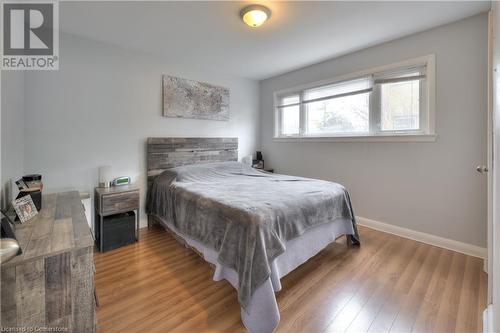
x: 255, y: 15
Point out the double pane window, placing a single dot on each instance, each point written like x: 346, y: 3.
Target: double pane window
x: 386, y: 103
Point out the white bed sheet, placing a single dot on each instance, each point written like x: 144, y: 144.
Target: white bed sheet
x: 263, y: 314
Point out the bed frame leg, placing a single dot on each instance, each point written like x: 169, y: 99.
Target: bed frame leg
x: 152, y: 221
x: 348, y: 240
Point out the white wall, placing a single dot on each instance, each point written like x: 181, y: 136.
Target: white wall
x: 428, y: 187
x: 104, y: 102
x: 12, y: 132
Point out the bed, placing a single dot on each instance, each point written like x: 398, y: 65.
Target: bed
x: 253, y: 226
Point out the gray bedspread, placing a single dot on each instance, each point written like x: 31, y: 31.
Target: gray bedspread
x: 244, y: 214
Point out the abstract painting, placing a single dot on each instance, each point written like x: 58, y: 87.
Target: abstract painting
x: 192, y: 99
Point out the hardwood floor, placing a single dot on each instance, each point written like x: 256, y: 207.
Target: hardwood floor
x: 388, y: 284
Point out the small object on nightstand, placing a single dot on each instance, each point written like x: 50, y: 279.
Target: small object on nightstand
x: 124, y: 180
x: 116, y: 216
x: 104, y: 175
x: 259, y: 162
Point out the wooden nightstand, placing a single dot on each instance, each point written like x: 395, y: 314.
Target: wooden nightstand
x: 115, y: 200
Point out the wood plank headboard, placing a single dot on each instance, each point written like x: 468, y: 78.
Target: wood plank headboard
x: 166, y: 153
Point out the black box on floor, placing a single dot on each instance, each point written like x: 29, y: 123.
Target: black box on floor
x: 118, y: 230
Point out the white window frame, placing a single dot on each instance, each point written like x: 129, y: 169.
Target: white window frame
x: 427, y: 106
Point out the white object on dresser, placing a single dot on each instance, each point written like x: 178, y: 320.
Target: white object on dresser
x: 85, y: 197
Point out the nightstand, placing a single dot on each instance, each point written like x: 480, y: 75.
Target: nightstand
x: 115, y: 200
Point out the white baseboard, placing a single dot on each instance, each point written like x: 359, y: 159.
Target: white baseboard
x: 449, y: 244
x: 488, y: 320
x: 143, y: 222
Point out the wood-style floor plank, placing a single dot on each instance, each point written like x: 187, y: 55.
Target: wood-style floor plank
x: 371, y: 308
x: 426, y: 317
x: 387, y: 284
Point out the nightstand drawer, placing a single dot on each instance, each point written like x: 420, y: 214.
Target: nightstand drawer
x: 119, y: 202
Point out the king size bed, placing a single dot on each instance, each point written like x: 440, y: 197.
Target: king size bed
x: 254, y: 226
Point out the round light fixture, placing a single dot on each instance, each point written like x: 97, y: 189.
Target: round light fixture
x: 255, y: 15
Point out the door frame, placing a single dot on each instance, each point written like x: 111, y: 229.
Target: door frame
x: 491, y: 317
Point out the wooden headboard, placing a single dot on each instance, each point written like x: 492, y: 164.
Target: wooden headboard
x: 166, y: 153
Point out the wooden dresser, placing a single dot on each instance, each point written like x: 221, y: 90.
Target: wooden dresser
x: 51, y: 285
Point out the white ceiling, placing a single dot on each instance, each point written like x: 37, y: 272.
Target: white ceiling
x: 211, y: 34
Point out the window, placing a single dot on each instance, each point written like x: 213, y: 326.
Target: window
x: 291, y: 115
x: 400, y: 95
x: 338, y: 108
x: 389, y: 102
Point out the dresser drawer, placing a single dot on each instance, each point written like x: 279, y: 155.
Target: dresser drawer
x: 119, y: 202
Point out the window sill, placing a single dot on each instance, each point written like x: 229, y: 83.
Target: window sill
x: 362, y: 138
